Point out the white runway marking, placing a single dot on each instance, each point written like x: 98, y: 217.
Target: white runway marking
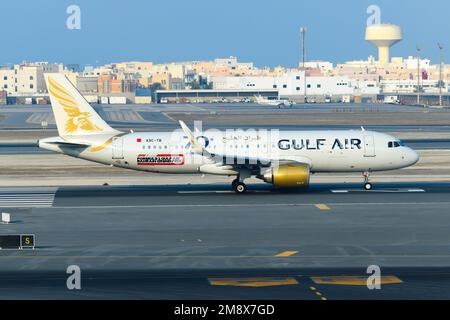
x: 379, y: 191
x: 219, y: 192
x: 27, y: 200
x: 195, y: 192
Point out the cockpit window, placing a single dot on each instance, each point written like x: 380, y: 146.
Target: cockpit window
x: 395, y: 144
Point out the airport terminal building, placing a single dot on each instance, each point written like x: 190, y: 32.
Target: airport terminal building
x: 207, y: 95
x: 293, y: 86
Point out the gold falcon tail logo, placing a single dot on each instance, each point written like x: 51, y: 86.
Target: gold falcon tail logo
x: 77, y: 119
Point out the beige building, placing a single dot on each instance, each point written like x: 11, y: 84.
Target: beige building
x: 7, y: 80
x: 27, y: 79
x: 176, y: 70
x: 165, y: 79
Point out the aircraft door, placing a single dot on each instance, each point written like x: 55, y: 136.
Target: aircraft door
x: 117, y: 148
x: 369, y: 146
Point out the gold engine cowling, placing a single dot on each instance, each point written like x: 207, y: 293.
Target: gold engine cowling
x: 288, y: 176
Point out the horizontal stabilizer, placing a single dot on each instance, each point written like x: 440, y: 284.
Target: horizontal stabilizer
x: 69, y: 144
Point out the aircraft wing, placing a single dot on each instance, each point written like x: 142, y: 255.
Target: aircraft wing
x: 236, y: 159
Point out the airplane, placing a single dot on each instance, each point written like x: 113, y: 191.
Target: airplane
x: 284, y: 159
x: 275, y: 102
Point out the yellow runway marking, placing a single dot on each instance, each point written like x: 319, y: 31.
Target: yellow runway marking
x: 286, y: 254
x: 317, y: 293
x: 322, y: 206
x: 252, y: 282
x: 353, y: 280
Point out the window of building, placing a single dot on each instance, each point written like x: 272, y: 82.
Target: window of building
x: 5, y: 78
x: 5, y: 86
x: 31, y: 77
x: 297, y: 77
x: 284, y: 86
x: 275, y: 86
x: 31, y: 86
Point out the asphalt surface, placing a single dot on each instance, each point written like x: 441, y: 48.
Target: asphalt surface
x: 159, y: 117
x: 205, y: 242
x: 189, y: 242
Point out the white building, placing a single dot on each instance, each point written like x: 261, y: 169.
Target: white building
x: 324, y: 66
x: 367, y: 87
x: 410, y: 86
x: 289, y: 85
x: 411, y: 63
x: 232, y: 62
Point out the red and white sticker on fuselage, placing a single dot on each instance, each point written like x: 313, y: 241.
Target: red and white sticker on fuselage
x: 160, y: 160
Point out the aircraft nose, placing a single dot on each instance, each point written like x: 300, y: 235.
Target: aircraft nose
x: 412, y: 157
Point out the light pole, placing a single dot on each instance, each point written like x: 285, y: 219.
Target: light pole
x: 441, y: 80
x: 418, y: 74
x: 303, y: 34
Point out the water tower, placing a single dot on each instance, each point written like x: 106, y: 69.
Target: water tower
x: 384, y: 36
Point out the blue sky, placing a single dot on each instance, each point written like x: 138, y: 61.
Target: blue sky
x: 262, y: 31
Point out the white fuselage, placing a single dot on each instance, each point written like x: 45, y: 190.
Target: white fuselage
x: 324, y: 151
x: 275, y: 102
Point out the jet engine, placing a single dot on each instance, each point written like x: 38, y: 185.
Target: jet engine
x: 295, y: 175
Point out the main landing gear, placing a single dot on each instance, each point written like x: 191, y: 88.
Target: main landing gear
x: 367, y: 185
x: 238, y: 186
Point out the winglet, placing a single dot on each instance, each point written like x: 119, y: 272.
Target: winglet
x: 196, y: 147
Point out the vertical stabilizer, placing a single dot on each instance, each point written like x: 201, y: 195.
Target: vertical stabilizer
x: 73, y: 114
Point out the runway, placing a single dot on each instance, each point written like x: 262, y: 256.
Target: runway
x: 203, y: 241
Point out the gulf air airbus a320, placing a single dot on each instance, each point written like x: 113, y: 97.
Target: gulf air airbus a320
x: 285, y: 159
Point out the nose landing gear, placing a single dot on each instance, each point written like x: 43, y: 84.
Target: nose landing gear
x: 367, y: 185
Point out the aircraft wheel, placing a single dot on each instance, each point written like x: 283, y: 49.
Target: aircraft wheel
x: 233, y: 184
x: 240, y: 187
x: 368, y: 186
